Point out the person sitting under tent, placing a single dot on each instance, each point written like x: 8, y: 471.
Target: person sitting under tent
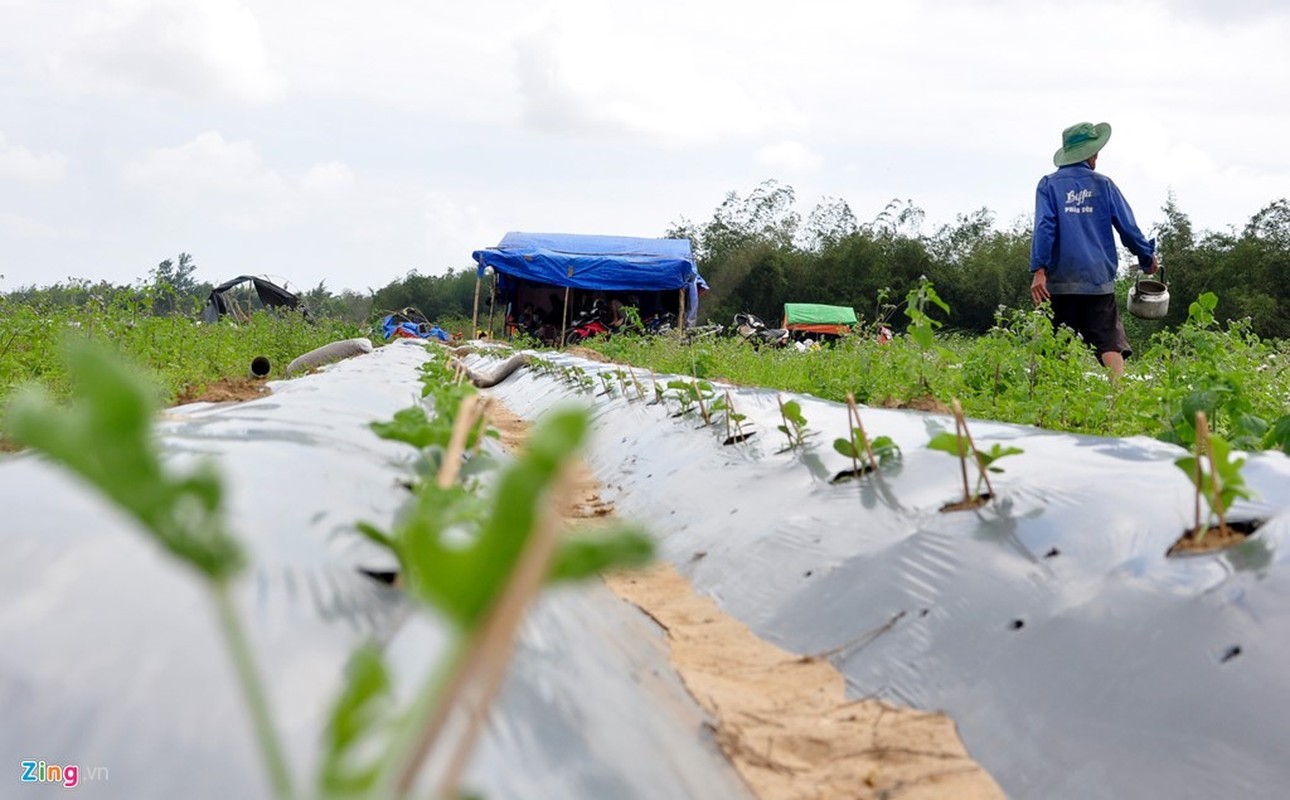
x: 694, y: 290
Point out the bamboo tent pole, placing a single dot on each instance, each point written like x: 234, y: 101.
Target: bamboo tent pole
x: 564, y: 316
x: 474, y: 317
x: 492, y: 304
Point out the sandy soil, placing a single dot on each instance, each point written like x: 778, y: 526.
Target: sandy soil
x: 224, y: 390
x: 783, y: 720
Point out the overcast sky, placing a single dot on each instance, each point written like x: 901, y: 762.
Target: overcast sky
x: 353, y: 142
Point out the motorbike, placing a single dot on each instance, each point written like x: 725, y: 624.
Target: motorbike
x: 751, y: 328
x: 592, y: 322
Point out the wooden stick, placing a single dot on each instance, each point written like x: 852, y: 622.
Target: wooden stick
x: 855, y: 458
x: 484, y: 404
x: 788, y: 427
x: 474, y: 318
x: 958, y: 433
x: 854, y: 410
x: 1196, y: 532
x: 703, y: 409
x: 1202, y: 428
x: 980, y: 462
x: 468, y: 414
x: 502, y: 625
x: 730, y: 409
x: 564, y: 316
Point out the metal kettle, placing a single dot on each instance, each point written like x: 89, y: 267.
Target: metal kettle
x: 1149, y: 299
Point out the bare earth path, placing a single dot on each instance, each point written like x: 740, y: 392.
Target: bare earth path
x: 784, y: 721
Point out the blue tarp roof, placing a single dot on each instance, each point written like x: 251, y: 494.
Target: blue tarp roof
x: 613, y: 263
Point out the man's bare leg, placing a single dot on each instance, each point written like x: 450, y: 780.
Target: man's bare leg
x: 1115, y: 362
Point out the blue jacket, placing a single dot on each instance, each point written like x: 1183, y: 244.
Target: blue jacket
x: 1076, y: 209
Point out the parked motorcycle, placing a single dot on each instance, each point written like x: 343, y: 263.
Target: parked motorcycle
x: 751, y: 328
x: 592, y: 322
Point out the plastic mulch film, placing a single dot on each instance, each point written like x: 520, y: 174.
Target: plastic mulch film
x: 1078, y: 660
x: 113, y: 662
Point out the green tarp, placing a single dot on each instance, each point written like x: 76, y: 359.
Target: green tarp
x: 816, y: 314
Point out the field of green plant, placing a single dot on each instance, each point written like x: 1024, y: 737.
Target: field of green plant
x: 1020, y: 371
x: 180, y: 354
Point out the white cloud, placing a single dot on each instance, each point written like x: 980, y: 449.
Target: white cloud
x: 228, y: 179
x: 20, y: 164
x: 195, y: 50
x: 789, y: 156
x: 332, y: 178
x: 583, y: 68
x: 25, y: 227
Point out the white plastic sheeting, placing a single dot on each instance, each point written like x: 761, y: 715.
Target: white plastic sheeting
x: 1077, y: 659
x: 112, y: 661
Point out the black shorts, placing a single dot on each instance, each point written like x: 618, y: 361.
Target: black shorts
x: 1095, y: 318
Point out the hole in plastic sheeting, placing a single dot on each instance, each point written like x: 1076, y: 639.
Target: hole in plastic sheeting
x: 1231, y: 653
x: 967, y: 505
x: 1017, y: 624
x: 851, y: 474
x: 1214, y: 539
x: 385, y: 576
x: 738, y: 437
x: 1052, y: 553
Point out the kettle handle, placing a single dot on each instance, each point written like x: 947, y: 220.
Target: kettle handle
x: 1160, y: 270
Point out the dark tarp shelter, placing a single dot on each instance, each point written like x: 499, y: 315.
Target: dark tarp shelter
x: 530, y: 265
x: 270, y: 295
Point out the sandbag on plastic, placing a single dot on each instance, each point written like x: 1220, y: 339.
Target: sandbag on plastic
x: 328, y: 354
x: 1076, y: 657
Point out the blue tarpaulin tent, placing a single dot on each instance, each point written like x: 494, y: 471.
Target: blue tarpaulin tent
x: 605, y: 263
x: 591, y: 271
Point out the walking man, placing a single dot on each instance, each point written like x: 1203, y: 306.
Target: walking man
x: 1073, y: 257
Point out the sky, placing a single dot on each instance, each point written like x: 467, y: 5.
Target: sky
x: 349, y: 143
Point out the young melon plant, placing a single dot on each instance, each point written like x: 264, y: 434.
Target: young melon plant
x: 959, y: 444
x: 865, y: 455
x: 794, y: 426
x: 477, y: 561
x: 1216, y: 476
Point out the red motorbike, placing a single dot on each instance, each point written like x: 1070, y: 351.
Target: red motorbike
x: 592, y: 322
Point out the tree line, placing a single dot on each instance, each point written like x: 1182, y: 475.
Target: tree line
x: 757, y: 252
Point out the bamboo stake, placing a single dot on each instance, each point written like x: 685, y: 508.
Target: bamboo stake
x: 787, y: 425
x: 484, y: 404
x: 703, y: 409
x: 959, y: 434
x: 468, y: 413
x: 487, y: 653
x: 855, y: 458
x: 1202, y: 430
x: 474, y: 318
x: 564, y: 316
x: 980, y: 463
x: 1196, y: 532
x: 502, y: 625
x: 854, y: 410
x: 730, y: 410
x: 492, y: 304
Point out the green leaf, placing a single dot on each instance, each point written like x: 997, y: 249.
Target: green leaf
x: 459, y: 549
x: 846, y: 447
x: 950, y: 443
x: 358, y: 717
x: 585, y: 554
x: 105, y: 438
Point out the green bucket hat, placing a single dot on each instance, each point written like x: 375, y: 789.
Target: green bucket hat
x: 1081, y: 141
